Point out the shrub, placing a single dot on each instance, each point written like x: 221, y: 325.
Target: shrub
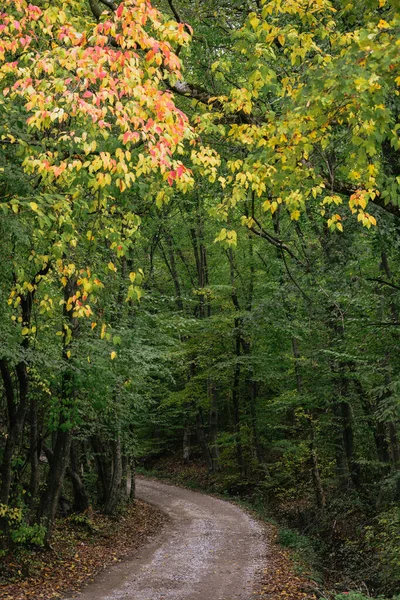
x: 17, y: 530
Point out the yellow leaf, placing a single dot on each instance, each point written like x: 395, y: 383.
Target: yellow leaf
x: 362, y: 202
x: 113, y: 355
x: 266, y: 205
x: 254, y: 21
x: 112, y: 267
x: 33, y: 206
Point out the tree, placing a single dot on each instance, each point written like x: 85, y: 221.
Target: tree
x: 87, y: 128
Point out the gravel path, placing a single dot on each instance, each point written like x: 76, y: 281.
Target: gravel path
x: 209, y: 550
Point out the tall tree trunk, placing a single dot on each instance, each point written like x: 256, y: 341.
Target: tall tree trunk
x: 202, y: 439
x: 381, y: 444
x: 214, y: 450
x: 238, y: 340
x: 61, y: 451
x: 342, y: 470
x: 316, y: 475
x: 236, y: 405
x: 186, y: 443
x: 114, y: 488
x: 124, y: 495
x: 103, y: 467
x: 348, y: 437
x: 16, y: 411
x: 55, y: 478
x: 315, y: 472
x: 81, y: 501
x: 131, y: 480
x: 394, y: 445
x: 34, y: 451
x: 171, y: 265
x: 16, y: 419
x: 253, y: 387
x: 14, y: 430
x: 200, y: 253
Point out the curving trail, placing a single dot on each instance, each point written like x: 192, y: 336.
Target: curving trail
x: 210, y: 550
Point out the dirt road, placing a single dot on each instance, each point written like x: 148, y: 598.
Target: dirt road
x: 209, y: 550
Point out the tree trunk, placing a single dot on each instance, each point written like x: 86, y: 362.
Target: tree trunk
x: 254, y: 425
x: 16, y: 412
x: 103, y: 469
x: 342, y: 471
x: 186, y: 443
x: 12, y: 433
x: 34, y: 451
x: 236, y: 407
x: 316, y: 476
x: 131, y: 480
x: 348, y: 437
x: 200, y: 253
x: 382, y: 448
x: 55, y: 478
x: 201, y: 435
x: 114, y: 488
x: 61, y: 451
x: 81, y: 501
x: 126, y: 479
x: 171, y: 265
x: 16, y: 417
x: 394, y: 445
x: 214, y: 450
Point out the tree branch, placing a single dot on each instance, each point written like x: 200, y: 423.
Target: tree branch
x: 267, y: 236
x: 110, y: 4
x: 383, y: 282
x: 97, y: 10
x: 174, y: 11
x: 293, y: 279
x: 275, y: 242
x: 188, y: 90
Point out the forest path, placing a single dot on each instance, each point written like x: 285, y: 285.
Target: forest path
x: 209, y: 550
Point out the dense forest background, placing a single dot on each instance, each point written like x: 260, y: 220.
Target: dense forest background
x: 204, y: 265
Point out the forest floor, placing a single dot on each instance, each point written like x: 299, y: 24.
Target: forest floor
x: 81, y: 549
